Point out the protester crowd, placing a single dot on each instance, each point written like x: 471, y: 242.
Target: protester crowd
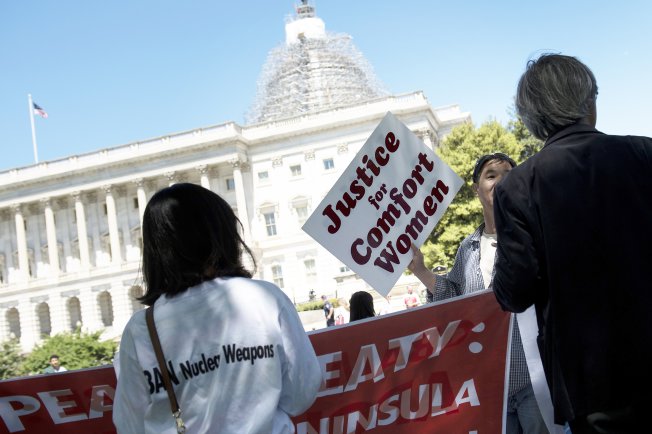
x: 565, y: 232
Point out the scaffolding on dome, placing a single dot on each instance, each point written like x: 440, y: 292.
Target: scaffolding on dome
x: 313, y: 74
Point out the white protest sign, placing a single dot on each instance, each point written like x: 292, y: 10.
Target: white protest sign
x: 391, y: 195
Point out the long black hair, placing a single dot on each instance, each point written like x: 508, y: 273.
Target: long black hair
x: 190, y: 235
x: 361, y: 306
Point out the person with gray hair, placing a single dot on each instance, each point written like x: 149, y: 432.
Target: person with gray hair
x: 574, y: 241
x: 556, y: 91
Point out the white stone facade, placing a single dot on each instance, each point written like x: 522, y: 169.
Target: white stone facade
x: 70, y: 234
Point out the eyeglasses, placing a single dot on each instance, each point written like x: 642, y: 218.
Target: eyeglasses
x: 500, y: 156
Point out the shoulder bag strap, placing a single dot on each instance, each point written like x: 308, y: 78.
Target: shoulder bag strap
x: 153, y: 335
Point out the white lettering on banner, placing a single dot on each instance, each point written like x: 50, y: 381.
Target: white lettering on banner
x: 98, y: 405
x: 11, y: 417
x: 398, y: 405
x: 55, y: 406
x: 324, y: 361
x: 368, y: 356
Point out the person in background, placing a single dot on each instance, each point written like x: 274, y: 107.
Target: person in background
x: 342, y: 312
x: 574, y: 241
x: 236, y: 366
x: 55, y: 365
x: 410, y: 300
x: 329, y: 312
x: 362, y: 306
x: 472, y: 271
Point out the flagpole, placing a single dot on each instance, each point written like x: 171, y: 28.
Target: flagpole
x: 31, y: 118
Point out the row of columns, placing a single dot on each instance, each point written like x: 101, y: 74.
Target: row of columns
x: 112, y: 221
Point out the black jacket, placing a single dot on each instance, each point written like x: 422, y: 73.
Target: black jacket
x: 574, y: 238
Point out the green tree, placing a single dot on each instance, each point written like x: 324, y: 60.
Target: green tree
x: 10, y: 359
x: 460, y: 150
x: 530, y: 144
x: 76, y: 350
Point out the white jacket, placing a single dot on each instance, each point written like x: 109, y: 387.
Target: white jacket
x: 241, y: 362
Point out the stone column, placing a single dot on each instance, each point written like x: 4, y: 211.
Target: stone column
x: 82, y: 236
x: 89, y: 310
x: 428, y: 137
x: 114, y: 236
x: 57, y: 313
x: 240, y: 197
x: 121, y: 304
x: 142, y: 198
x: 29, y: 326
x: 51, y: 231
x: 21, y: 243
x: 203, y: 176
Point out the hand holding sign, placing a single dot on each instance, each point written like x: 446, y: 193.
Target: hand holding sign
x: 390, y: 196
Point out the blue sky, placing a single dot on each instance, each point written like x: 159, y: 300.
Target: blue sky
x: 111, y: 73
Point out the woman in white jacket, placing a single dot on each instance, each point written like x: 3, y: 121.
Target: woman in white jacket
x: 236, y: 352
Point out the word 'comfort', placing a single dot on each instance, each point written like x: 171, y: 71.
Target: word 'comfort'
x: 361, y: 248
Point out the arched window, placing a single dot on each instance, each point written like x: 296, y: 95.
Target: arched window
x: 13, y: 320
x: 106, y: 308
x: 43, y: 314
x: 135, y: 292
x: 74, y: 313
x: 2, y: 269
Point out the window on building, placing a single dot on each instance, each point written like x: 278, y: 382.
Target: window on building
x: 106, y: 244
x: 270, y: 223
x: 2, y: 268
x: 44, y: 323
x: 106, y: 308
x: 74, y: 313
x: 135, y: 202
x: 295, y: 170
x: 329, y: 164
x: 302, y: 213
x: 13, y: 319
x: 309, y: 265
x: 135, y: 292
x: 263, y: 176
x: 277, y: 275
x: 230, y: 184
x: 105, y: 209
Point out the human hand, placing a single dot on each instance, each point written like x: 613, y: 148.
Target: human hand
x: 417, y: 263
x: 418, y: 267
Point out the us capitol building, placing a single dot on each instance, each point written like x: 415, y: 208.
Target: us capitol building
x: 70, y: 229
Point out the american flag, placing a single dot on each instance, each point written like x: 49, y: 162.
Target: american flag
x: 39, y: 111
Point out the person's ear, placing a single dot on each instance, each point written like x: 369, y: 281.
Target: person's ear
x: 475, y: 187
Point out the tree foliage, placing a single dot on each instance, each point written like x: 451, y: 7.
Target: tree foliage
x: 460, y: 150
x: 76, y: 350
x: 530, y: 144
x: 10, y: 359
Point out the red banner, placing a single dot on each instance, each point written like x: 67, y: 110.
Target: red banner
x: 73, y: 402
x: 438, y: 368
